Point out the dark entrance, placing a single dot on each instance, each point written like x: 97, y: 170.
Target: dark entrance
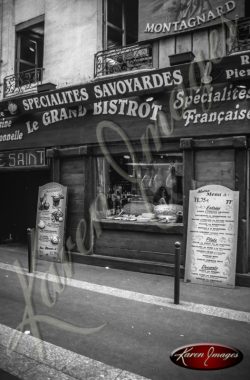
x: 18, y: 202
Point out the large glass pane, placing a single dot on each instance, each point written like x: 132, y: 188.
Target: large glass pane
x: 145, y: 192
x: 114, y: 38
x: 115, y: 12
x: 131, y: 17
x: 28, y: 49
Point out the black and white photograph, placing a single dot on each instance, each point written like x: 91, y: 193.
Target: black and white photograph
x: 124, y: 189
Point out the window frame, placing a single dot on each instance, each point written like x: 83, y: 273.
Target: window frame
x: 22, y: 28
x: 107, y: 24
x: 103, y: 183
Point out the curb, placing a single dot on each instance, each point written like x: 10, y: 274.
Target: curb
x: 33, y: 358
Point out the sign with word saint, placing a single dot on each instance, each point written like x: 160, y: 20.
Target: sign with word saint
x: 23, y: 159
x: 50, y: 222
x: 212, y: 236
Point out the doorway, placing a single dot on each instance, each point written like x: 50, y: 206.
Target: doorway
x: 18, y: 203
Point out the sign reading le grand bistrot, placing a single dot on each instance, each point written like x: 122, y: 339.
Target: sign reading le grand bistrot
x: 212, y: 236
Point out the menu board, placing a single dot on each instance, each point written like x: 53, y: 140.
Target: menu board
x: 50, y: 222
x: 212, y: 236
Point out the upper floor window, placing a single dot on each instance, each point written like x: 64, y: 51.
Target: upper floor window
x: 120, y: 23
x: 29, y: 47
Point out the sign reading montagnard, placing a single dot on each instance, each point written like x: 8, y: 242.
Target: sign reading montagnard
x: 165, y: 17
x: 212, y: 236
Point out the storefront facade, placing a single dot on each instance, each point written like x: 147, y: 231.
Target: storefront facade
x: 131, y: 142
x: 129, y: 162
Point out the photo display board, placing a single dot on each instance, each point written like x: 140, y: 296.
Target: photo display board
x: 212, y: 236
x: 50, y: 222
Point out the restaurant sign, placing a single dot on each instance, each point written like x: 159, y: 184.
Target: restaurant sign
x: 211, y: 106
x: 199, y: 111
x: 181, y: 105
x: 165, y: 17
x: 227, y: 70
x: 21, y: 159
x: 212, y: 236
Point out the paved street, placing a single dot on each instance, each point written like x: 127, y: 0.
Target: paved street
x: 137, y: 325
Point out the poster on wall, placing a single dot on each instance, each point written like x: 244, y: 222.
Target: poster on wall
x: 212, y: 236
x: 158, y: 18
x: 50, y: 222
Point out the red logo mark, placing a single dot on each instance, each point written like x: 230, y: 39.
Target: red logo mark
x: 206, y: 356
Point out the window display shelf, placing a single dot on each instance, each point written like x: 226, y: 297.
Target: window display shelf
x: 163, y: 228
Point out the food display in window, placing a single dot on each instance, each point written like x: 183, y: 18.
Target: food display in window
x: 138, y: 207
x: 157, y: 180
x: 153, y: 195
x: 169, y: 213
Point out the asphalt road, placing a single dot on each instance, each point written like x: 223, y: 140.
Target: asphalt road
x: 136, y: 337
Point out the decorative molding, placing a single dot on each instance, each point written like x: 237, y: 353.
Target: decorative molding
x: 186, y: 143
x: 67, y: 152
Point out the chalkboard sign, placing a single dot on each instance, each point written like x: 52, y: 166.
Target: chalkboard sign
x: 50, y: 222
x: 212, y: 236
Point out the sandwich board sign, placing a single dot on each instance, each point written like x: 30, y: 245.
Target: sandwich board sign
x: 212, y: 236
x: 50, y: 222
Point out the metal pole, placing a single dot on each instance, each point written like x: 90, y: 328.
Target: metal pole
x: 29, y: 237
x: 177, y: 273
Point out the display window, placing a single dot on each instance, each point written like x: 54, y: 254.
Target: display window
x: 140, y: 191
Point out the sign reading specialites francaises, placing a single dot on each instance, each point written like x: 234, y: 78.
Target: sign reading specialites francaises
x: 212, y: 236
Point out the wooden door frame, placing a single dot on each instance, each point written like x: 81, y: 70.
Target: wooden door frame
x: 239, y: 144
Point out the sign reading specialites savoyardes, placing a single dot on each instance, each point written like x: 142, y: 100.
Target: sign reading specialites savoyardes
x: 216, y: 108
x: 227, y: 70
x: 212, y: 236
x: 50, y: 222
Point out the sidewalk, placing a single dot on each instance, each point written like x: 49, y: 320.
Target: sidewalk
x: 151, y: 284
x: 142, y: 326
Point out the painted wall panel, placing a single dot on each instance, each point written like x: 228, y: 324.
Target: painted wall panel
x: 28, y: 9
x: 70, y: 41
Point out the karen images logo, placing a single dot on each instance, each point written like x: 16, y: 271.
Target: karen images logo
x: 206, y: 356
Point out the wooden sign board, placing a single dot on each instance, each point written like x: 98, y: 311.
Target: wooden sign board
x: 51, y: 221
x: 212, y: 236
